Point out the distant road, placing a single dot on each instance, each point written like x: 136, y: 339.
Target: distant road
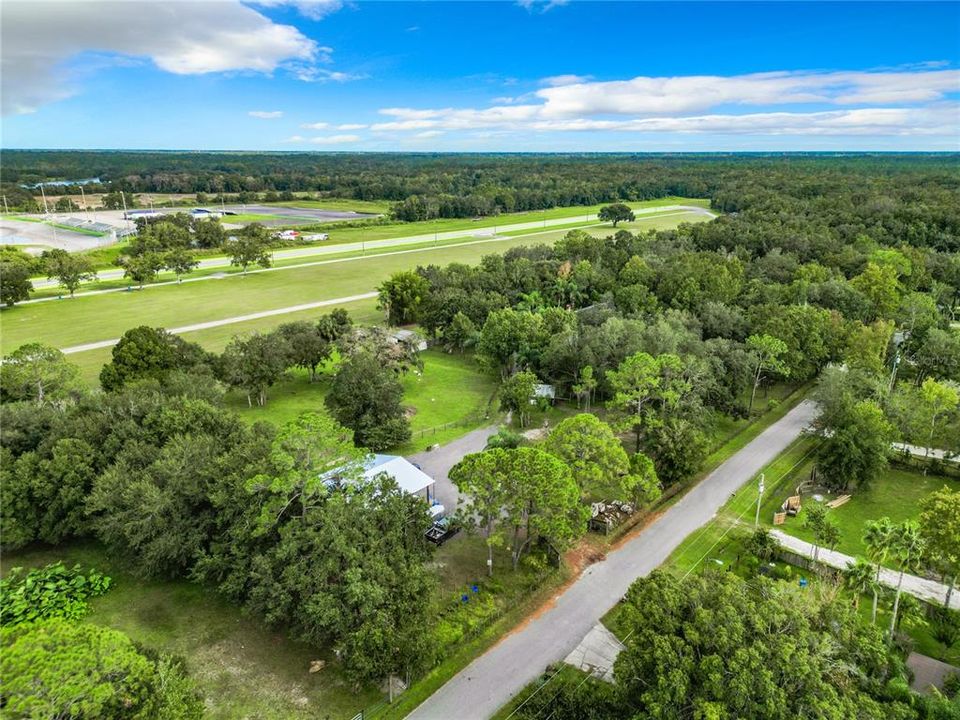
x: 486, y: 231
x: 490, y: 681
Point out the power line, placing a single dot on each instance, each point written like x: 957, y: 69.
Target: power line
x: 533, y: 694
x: 740, y: 517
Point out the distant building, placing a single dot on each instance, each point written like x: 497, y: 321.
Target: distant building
x: 409, y: 336
x: 205, y: 213
x: 543, y: 391
x: 149, y: 214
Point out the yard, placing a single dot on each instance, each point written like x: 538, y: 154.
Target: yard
x: 896, y: 495
x: 243, y: 668
x: 448, y: 399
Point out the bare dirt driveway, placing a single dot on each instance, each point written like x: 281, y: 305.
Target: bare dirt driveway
x: 489, y: 682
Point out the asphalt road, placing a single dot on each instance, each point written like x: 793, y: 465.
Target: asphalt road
x: 489, y: 682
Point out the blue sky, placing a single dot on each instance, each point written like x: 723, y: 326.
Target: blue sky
x: 528, y: 76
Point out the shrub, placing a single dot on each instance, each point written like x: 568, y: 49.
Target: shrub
x: 51, y: 592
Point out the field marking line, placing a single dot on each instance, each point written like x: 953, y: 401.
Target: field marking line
x: 229, y: 321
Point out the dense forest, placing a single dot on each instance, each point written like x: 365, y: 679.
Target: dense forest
x: 462, y: 185
x: 840, y: 271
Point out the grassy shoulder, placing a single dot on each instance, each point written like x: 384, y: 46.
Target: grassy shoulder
x: 518, y: 594
x: 91, y: 318
x: 721, y: 542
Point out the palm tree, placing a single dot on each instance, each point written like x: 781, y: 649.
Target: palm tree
x: 877, y: 537
x: 825, y: 533
x: 907, y: 550
x: 858, y: 577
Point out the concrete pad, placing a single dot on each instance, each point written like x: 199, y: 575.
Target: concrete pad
x: 928, y: 672
x: 596, y: 653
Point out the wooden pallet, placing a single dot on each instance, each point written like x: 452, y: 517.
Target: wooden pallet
x: 837, y: 502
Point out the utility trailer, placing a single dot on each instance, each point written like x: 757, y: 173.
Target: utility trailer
x: 442, y: 530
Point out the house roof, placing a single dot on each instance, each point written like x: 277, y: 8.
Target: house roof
x: 409, y: 477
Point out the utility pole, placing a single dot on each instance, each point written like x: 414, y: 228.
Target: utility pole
x: 756, y: 521
x: 6, y: 210
x: 46, y: 210
x: 123, y: 199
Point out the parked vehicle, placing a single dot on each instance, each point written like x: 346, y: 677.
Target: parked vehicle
x: 442, y: 530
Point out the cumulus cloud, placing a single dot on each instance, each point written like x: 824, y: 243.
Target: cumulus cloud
x: 315, y: 126
x: 429, y: 134
x: 40, y: 39
x: 665, y: 95
x: 351, y: 126
x: 266, y: 114
x: 898, y: 101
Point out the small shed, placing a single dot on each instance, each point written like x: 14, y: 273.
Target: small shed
x: 542, y: 391
x: 409, y: 336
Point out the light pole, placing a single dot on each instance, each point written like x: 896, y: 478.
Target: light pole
x: 756, y: 522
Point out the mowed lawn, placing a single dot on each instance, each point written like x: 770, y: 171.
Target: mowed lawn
x: 452, y: 389
x: 244, y: 669
x: 80, y: 320
x: 896, y: 495
x: 363, y: 312
x: 86, y: 319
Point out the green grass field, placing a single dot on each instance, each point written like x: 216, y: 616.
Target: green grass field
x: 896, y: 494
x: 244, y: 669
x: 344, y: 205
x: 102, y: 317
x: 451, y: 390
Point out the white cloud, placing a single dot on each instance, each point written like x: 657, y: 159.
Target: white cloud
x: 266, y: 114
x: 560, y: 80
x: 666, y: 95
x: 898, y: 101
x: 315, y: 126
x: 40, y: 39
x: 334, y: 139
x: 294, y: 139
x: 312, y: 73
x: 429, y: 134
x: 351, y: 126
x: 542, y: 5
x: 313, y: 9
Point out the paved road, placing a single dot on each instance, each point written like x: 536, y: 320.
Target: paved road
x: 919, y: 587
x: 922, y: 452
x: 437, y: 463
x: 485, y: 685
x: 227, y: 321
x: 483, y: 231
